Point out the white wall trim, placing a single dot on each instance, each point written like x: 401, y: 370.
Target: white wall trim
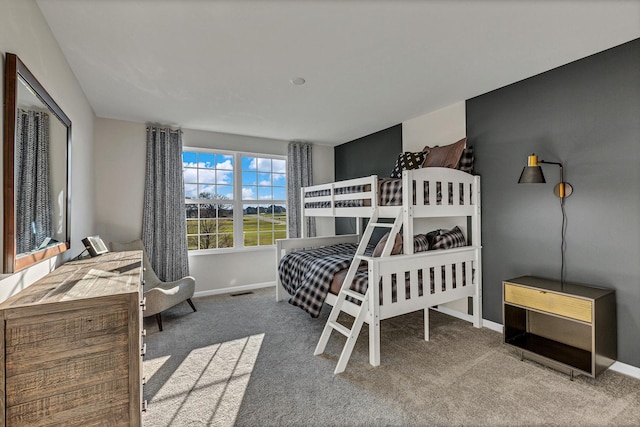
x: 625, y: 369
x: 233, y: 289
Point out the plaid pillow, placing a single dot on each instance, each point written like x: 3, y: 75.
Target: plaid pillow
x: 466, y: 160
x: 408, y: 161
x: 420, y: 243
x: 448, y: 239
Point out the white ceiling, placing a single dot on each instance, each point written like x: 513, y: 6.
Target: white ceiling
x: 225, y: 66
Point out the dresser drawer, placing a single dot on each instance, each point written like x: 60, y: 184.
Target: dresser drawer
x: 562, y: 305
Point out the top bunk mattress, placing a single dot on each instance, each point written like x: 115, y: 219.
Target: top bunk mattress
x: 389, y: 194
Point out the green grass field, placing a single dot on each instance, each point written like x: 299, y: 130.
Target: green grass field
x: 258, y: 230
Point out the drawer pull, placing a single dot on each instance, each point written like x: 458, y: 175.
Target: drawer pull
x: 144, y: 350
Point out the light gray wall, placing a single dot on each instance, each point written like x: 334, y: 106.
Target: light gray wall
x: 23, y: 31
x: 120, y: 162
x: 586, y: 115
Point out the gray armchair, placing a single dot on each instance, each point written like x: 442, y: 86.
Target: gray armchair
x: 159, y: 295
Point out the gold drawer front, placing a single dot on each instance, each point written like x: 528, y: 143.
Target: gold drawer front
x: 562, y: 305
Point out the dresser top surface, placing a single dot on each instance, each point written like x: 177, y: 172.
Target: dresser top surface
x: 107, y: 274
x: 577, y: 289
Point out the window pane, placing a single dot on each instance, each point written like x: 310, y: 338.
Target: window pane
x: 249, y: 178
x: 225, y: 225
x: 279, y: 179
x: 208, y: 241
x: 265, y: 193
x: 264, y: 179
x: 265, y: 218
x: 264, y: 165
x: 191, y: 210
x: 279, y: 166
x: 208, y: 226
x: 208, y: 211
x: 190, y: 191
x: 224, y: 161
x: 207, y: 176
x: 225, y: 240
x: 251, y: 239
x: 192, y: 243
x: 206, y: 191
x: 206, y: 160
x: 190, y: 175
x: 224, y: 177
x: 189, y: 158
x: 279, y: 193
x: 249, y: 192
x: 192, y: 226
x: 280, y: 235
x: 224, y: 192
x: 225, y: 212
x: 248, y: 163
x: 266, y: 238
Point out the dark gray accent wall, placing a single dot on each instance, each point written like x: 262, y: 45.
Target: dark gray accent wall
x: 586, y: 115
x: 373, y: 154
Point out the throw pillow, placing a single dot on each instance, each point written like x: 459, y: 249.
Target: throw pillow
x: 397, y: 245
x: 444, y: 157
x: 466, y: 160
x: 420, y: 243
x: 449, y: 239
x: 408, y: 161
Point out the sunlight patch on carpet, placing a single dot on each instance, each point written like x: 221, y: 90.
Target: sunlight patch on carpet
x: 213, y: 381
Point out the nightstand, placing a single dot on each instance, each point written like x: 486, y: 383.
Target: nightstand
x: 569, y: 327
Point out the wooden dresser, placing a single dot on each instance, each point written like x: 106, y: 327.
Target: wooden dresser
x: 72, y: 346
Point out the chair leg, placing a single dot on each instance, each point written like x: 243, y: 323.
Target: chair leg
x: 159, y: 319
x: 191, y: 304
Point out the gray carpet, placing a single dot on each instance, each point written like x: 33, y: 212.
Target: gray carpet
x: 248, y: 361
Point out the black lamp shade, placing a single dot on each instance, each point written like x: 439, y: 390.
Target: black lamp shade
x: 531, y: 175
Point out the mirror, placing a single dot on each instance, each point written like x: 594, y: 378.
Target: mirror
x: 37, y: 148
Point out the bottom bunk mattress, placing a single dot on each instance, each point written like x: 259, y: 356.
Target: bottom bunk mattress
x: 309, y: 275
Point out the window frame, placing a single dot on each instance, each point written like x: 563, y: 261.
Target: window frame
x: 238, y: 202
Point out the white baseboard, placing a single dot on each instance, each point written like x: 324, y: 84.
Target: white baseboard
x: 625, y: 369
x: 233, y: 289
x: 620, y: 367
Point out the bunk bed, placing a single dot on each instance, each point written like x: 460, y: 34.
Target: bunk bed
x: 431, y: 278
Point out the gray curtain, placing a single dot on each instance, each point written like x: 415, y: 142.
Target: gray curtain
x: 33, y: 192
x: 299, y: 174
x: 164, y: 231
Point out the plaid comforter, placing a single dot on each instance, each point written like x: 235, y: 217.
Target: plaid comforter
x: 307, y: 274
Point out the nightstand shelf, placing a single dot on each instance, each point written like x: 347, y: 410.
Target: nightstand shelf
x: 569, y: 327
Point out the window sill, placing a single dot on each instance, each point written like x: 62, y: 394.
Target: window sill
x: 231, y: 251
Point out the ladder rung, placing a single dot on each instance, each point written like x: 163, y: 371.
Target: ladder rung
x: 340, y: 328
x: 382, y: 224
x: 353, y: 294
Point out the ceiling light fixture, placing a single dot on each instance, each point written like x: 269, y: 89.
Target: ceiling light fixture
x: 298, y: 81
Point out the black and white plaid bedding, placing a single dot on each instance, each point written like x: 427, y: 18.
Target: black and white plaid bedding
x: 389, y: 194
x: 307, y: 274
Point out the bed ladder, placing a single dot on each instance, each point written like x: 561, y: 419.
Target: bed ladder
x: 332, y: 321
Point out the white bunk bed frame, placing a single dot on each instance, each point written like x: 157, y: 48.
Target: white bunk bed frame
x: 382, y: 268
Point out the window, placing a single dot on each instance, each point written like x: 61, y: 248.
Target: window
x: 234, y: 200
